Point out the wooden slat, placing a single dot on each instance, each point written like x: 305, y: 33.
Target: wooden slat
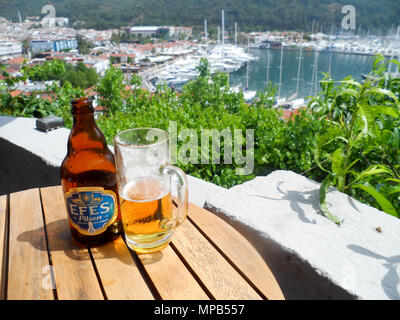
x: 74, y: 273
x: 3, y: 253
x: 28, y: 257
x: 170, y: 276
x: 220, y: 278
x: 238, y: 250
x: 119, y: 274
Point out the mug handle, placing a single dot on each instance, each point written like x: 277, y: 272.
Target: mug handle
x: 182, y: 188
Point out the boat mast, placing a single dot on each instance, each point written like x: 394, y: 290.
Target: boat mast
x: 247, y: 74
x: 299, y: 67
x: 312, y: 27
x: 330, y: 56
x: 218, y: 36
x: 392, y: 56
x: 268, y: 65
x: 313, y: 72
x: 235, y: 34
x: 280, y: 72
x: 223, y: 33
x: 205, y: 35
x: 316, y: 72
x: 397, y: 41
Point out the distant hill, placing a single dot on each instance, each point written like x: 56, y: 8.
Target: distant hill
x: 250, y: 14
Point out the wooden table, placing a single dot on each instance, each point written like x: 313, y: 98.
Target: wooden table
x: 206, y: 259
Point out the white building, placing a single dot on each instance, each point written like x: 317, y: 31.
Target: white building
x: 10, y: 48
x: 180, y: 31
x: 99, y: 64
x: 144, y: 31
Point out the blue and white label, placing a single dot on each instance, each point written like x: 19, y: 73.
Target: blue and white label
x: 91, y: 209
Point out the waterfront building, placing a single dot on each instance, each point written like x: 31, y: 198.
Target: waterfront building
x: 52, y: 45
x: 9, y: 49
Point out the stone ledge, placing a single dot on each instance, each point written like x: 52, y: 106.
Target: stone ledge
x: 283, y: 207
x: 50, y: 146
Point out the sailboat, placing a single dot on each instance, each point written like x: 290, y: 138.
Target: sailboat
x: 389, y: 72
x: 248, y: 94
x: 291, y: 102
x: 314, y: 80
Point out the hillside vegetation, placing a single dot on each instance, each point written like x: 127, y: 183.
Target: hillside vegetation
x: 250, y: 14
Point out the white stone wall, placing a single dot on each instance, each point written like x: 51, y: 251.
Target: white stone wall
x: 284, y: 207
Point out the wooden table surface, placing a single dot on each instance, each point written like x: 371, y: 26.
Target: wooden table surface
x: 206, y: 259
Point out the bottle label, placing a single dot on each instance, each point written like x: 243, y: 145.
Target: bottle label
x: 91, y: 209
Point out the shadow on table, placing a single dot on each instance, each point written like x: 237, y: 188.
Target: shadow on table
x: 297, y: 279
x: 59, y: 239
x: 150, y: 258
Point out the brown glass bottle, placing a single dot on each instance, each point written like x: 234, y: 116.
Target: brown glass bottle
x: 88, y: 178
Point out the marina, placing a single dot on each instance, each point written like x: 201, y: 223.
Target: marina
x: 293, y: 73
x: 291, y: 62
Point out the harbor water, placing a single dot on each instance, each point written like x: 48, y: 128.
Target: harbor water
x: 342, y: 65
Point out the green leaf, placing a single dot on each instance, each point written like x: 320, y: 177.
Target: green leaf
x: 367, y: 122
x: 388, y: 110
x: 337, y: 162
x: 371, y: 171
x: 394, y: 190
x: 393, y: 180
x: 386, y: 135
x: 322, y: 199
x: 351, y: 92
x: 385, y: 92
x: 351, y: 82
x: 352, y: 164
x: 379, y: 197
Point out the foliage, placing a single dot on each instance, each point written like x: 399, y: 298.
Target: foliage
x: 84, y: 46
x: 57, y: 102
x: 360, y: 150
x: 207, y: 103
x: 250, y: 15
x: 79, y: 75
x: 112, y: 92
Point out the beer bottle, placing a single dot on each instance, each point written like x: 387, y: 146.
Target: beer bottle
x: 88, y: 178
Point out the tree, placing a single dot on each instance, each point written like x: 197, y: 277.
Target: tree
x: 111, y: 89
x: 84, y: 46
x: 25, y: 46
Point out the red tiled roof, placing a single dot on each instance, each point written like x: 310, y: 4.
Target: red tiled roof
x: 90, y: 91
x: 17, y: 60
x: 15, y: 93
x: 289, y: 114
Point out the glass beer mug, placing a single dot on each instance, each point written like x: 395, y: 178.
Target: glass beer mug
x: 145, y: 188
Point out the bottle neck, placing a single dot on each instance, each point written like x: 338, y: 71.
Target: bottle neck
x: 83, y: 120
x: 85, y: 135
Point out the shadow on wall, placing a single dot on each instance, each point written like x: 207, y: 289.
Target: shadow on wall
x: 6, y: 120
x: 21, y: 170
x: 393, y: 271
x: 297, y: 279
